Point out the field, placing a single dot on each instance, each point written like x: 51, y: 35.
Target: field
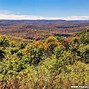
x: 44, y: 54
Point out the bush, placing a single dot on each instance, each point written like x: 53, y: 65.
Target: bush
x: 4, y: 42
x: 58, y: 51
x: 2, y: 54
x: 36, y: 55
x: 22, y: 45
x: 14, y: 50
x: 19, y: 54
x: 84, y: 53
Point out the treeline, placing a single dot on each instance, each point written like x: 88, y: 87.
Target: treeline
x: 52, y: 63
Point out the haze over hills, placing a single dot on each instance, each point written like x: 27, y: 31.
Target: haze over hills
x: 10, y: 22
x: 59, y: 20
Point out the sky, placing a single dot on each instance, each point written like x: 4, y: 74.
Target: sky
x: 44, y: 9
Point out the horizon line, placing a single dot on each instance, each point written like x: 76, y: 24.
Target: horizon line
x: 46, y: 19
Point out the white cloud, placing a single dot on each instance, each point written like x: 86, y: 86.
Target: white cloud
x: 19, y: 17
x: 8, y: 15
x: 77, y: 18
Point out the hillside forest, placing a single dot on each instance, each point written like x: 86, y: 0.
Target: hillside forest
x: 51, y: 63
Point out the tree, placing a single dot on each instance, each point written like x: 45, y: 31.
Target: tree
x: 2, y: 54
x: 4, y: 42
x: 36, y: 55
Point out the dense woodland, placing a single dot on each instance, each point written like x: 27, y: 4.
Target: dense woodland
x: 51, y: 63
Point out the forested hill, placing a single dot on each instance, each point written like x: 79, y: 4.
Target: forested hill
x: 31, y: 29
x: 52, y: 63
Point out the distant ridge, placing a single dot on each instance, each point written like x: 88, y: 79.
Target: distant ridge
x: 78, y: 21
x: 33, y: 20
x: 12, y: 22
x: 43, y: 21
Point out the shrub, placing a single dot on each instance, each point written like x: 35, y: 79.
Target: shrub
x: 2, y: 54
x: 84, y: 53
x: 14, y: 50
x: 22, y: 45
x: 4, y: 42
x: 58, y: 51
x: 36, y: 55
x: 19, y: 54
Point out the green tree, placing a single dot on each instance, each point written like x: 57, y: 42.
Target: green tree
x: 2, y: 54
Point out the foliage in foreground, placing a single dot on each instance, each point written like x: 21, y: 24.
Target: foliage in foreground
x: 53, y: 63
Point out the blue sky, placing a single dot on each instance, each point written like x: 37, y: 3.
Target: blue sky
x: 44, y: 9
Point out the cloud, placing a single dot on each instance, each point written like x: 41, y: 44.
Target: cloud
x: 19, y: 17
x: 8, y: 15
x: 77, y: 18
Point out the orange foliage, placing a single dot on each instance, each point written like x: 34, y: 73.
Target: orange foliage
x: 39, y: 44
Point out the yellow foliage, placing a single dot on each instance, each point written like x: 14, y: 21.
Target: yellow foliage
x: 26, y: 49
x: 51, y: 39
x: 39, y: 44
